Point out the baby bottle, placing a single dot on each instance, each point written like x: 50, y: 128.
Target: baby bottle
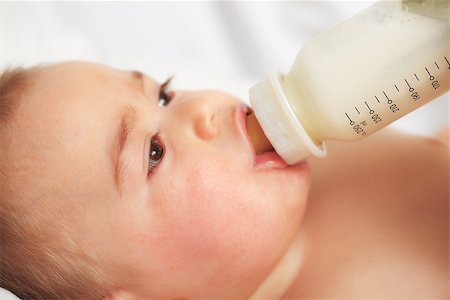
x: 355, y: 79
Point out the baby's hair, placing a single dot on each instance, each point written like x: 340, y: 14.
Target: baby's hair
x: 12, y: 83
x: 38, y: 257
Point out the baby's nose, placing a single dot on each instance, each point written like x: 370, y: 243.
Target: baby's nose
x: 204, y: 119
x: 200, y: 114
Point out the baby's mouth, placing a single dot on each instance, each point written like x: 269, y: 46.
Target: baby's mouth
x: 266, y: 157
x: 257, y: 136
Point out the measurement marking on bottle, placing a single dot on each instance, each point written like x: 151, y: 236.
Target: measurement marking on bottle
x: 377, y: 99
x: 397, y: 88
x: 414, y: 95
x: 371, y: 111
x: 389, y: 100
x: 437, y: 66
x: 411, y: 89
x: 357, y: 110
x: 435, y: 83
x: 351, y: 121
x: 407, y: 83
x: 394, y: 108
x: 447, y: 62
x: 431, y: 76
x: 416, y: 76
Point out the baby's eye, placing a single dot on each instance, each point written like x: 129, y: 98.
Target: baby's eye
x: 165, y: 96
x: 156, y: 154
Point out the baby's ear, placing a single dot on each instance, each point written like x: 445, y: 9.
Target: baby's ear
x: 120, y: 295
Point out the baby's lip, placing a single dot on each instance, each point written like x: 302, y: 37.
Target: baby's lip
x: 241, y: 113
x: 266, y: 160
x: 270, y: 160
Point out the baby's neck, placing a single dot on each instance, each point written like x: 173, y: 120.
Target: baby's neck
x: 285, y: 272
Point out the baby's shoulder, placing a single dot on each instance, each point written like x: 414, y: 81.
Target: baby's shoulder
x: 382, y: 203
x: 387, y: 163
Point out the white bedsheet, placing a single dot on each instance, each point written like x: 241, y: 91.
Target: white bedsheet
x: 224, y: 45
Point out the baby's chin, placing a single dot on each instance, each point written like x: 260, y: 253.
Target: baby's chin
x: 290, y: 184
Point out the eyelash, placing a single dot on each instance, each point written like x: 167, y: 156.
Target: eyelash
x: 165, y: 97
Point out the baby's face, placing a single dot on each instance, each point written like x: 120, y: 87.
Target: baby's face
x: 182, y: 203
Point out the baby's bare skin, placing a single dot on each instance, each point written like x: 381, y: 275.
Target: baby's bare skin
x: 376, y: 225
x: 376, y: 222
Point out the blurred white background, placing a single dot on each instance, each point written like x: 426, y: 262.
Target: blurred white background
x: 224, y: 45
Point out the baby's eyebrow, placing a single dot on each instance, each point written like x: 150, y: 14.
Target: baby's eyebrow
x: 122, y: 141
x: 138, y: 75
x: 122, y: 137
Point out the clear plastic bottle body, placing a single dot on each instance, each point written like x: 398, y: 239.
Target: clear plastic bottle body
x: 368, y: 72
x: 357, y: 78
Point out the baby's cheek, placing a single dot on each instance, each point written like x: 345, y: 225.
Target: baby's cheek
x: 216, y: 227
x: 215, y: 204
x: 213, y: 218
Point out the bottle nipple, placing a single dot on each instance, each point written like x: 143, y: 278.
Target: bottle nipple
x: 257, y: 136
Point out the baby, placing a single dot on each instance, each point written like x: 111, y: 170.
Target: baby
x: 114, y: 187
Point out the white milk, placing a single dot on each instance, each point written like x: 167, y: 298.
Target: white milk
x: 357, y: 78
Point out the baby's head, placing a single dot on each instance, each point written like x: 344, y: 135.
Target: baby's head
x: 110, y: 185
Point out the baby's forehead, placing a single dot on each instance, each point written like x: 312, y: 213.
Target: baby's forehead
x: 65, y: 73
x: 82, y: 79
x: 63, y: 127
